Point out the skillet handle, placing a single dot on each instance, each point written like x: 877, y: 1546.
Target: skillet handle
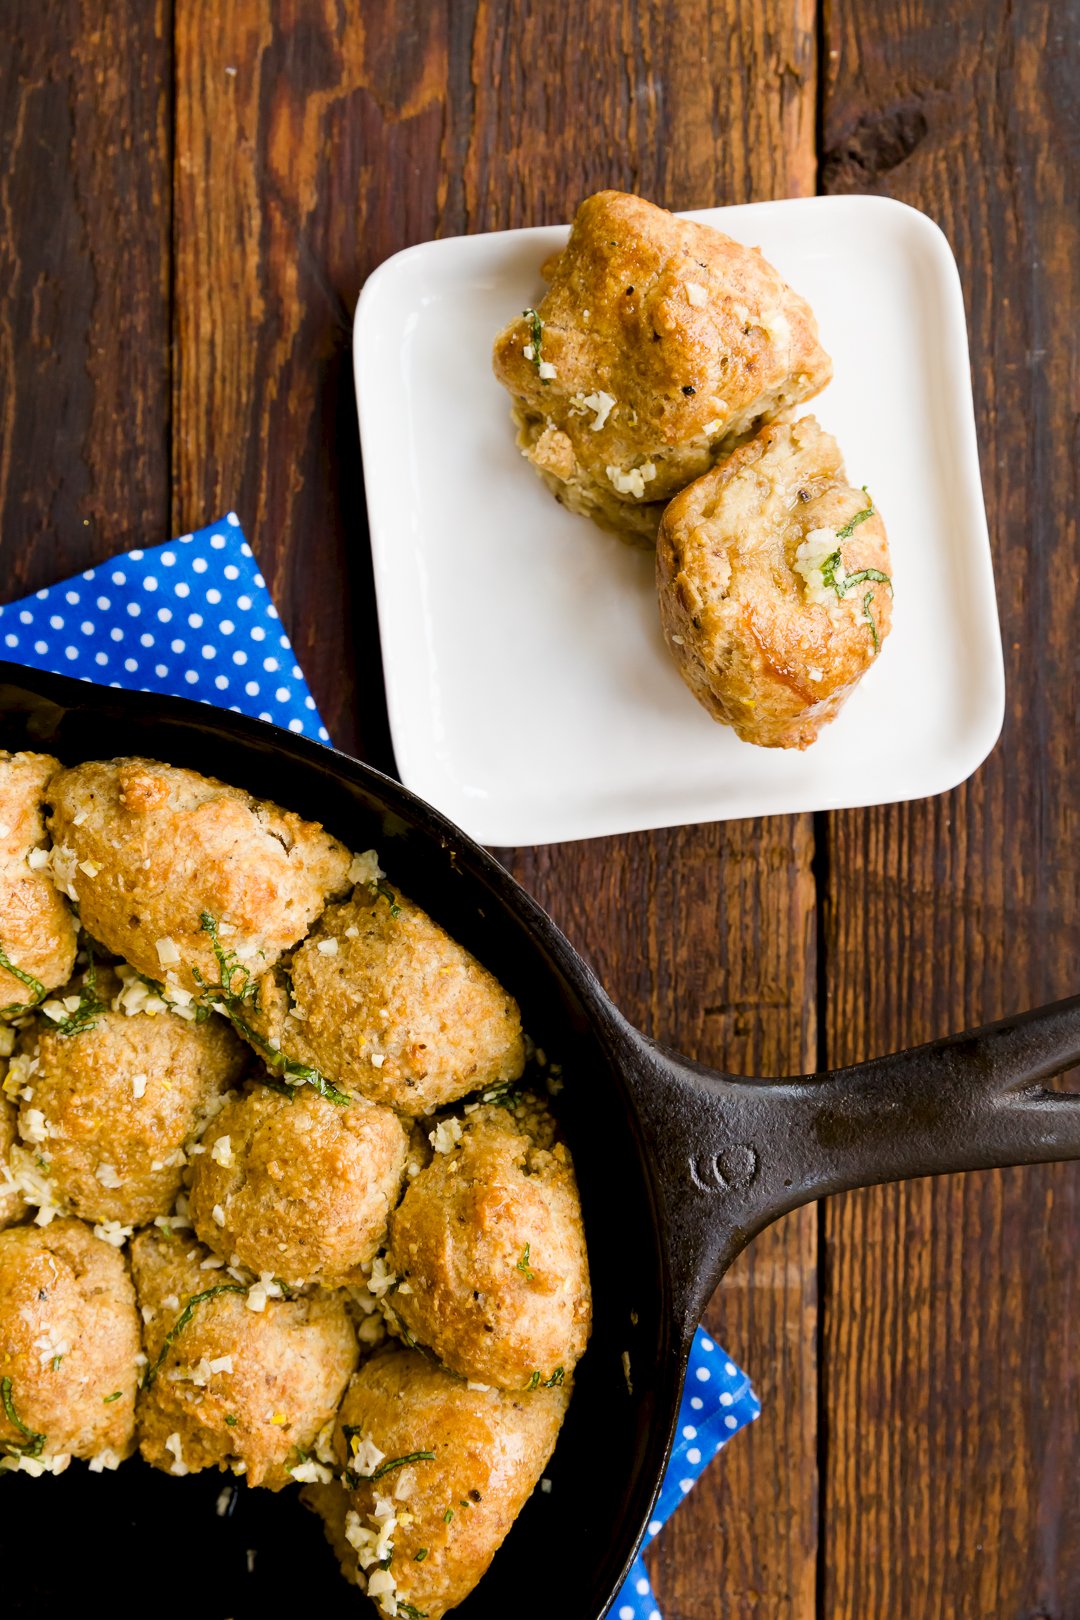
x: 735, y: 1154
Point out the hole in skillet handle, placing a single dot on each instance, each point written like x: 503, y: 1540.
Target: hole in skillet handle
x: 569, y: 1551
x: 733, y: 1154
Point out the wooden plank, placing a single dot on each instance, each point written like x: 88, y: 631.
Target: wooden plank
x: 84, y: 275
x: 950, y: 1369
x: 704, y: 936
x: 308, y: 148
x: 343, y: 135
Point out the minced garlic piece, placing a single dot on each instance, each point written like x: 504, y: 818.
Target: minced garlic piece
x: 696, y: 295
x: 35, y: 1127
x: 310, y: 1472
x: 600, y: 403
x: 174, y: 1447
x: 382, y: 1279
x: 106, y: 1459
x: 113, y: 1232
x: 633, y: 481
x: 810, y: 558
x: 61, y: 860
x: 365, y: 868
x: 446, y: 1135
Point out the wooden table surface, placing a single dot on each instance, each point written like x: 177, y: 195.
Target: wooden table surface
x: 191, y: 195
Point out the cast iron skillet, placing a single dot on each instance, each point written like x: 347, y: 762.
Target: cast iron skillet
x: 679, y: 1168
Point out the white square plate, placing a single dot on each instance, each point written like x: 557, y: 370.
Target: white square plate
x: 531, y: 697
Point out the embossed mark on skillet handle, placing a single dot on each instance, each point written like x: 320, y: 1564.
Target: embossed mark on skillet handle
x: 730, y: 1155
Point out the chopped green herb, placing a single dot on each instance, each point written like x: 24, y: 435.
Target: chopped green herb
x: 418, y: 1558
x: 303, y: 1074
x: 504, y: 1095
x: 115, y: 1396
x: 391, y: 1463
x: 536, y: 1382
x: 42, y: 1164
x: 390, y: 897
x: 234, y: 978
x: 182, y: 1321
x: 867, y: 603
x: 56, y: 1360
x: 33, y: 1444
x: 523, y: 1264
x: 448, y: 1515
x: 873, y: 574
x: 536, y: 338
x: 834, y: 578
x: 860, y: 517
x: 830, y: 568
x: 232, y: 995
x: 405, y: 1336
x: 409, y: 1612
x: 35, y: 986
x: 90, y: 1005
x: 351, y: 1431
x: 231, y: 1419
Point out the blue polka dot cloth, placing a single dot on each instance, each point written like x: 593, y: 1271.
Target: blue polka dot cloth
x: 193, y: 618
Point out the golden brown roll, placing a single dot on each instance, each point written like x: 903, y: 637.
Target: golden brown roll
x: 774, y: 582
x: 229, y: 1385
x: 489, y: 1247
x: 387, y: 1006
x: 12, y: 1203
x: 659, y: 345
x: 114, y: 1102
x: 477, y: 1457
x: 302, y: 1188
x: 37, y: 930
x: 69, y: 1343
x: 149, y: 851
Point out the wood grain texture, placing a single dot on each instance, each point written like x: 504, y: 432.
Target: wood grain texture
x: 952, y: 1394
x: 308, y: 142
x: 84, y: 272
x: 704, y: 936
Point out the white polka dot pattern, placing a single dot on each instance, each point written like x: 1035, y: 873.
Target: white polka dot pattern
x: 129, y: 622
x: 717, y: 1401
